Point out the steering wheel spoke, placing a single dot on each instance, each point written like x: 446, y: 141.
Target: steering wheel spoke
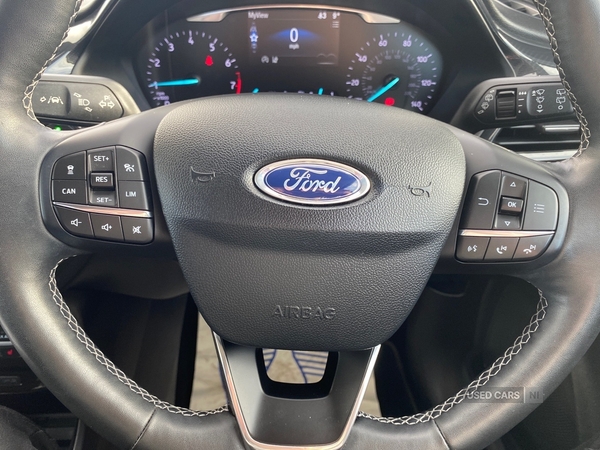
x: 274, y: 415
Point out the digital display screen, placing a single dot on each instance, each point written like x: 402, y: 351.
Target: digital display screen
x: 307, y: 37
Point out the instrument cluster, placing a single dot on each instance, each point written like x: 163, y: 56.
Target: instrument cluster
x: 313, y: 50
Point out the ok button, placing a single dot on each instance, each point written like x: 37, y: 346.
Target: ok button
x: 511, y: 206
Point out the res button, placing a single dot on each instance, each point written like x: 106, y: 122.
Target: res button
x: 100, y: 180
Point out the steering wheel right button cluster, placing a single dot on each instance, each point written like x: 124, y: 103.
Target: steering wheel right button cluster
x: 519, y: 226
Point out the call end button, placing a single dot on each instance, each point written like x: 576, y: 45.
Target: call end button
x: 531, y: 247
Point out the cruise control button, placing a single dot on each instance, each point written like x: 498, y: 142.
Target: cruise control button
x: 511, y: 205
x: 131, y: 165
x: 513, y: 186
x: 481, y: 202
x: 107, y: 227
x: 137, y: 231
x: 471, y: 248
x: 103, y: 198
x: 504, y: 222
x: 101, y: 160
x: 133, y: 195
x: 69, y: 191
x: 541, y: 212
x: 531, y: 247
x: 100, y: 180
x: 70, y: 167
x: 75, y: 222
x: 501, y: 249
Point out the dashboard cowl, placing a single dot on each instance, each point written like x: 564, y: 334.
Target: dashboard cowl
x: 267, y: 273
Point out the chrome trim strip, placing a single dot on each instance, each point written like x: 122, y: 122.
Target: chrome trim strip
x: 255, y: 445
x: 560, y: 128
x: 106, y: 210
x: 558, y: 155
x: 365, y: 183
x: 219, y: 15
x: 6, y: 344
x: 503, y: 233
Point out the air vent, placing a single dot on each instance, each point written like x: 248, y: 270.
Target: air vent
x: 519, y: 25
x: 522, y: 6
x: 543, y: 142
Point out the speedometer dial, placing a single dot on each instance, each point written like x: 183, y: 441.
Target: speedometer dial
x: 190, y: 64
x: 399, y: 68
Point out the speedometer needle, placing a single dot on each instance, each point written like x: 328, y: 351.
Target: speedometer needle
x: 184, y: 82
x: 383, y: 90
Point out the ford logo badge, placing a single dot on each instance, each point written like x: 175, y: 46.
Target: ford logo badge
x: 314, y: 182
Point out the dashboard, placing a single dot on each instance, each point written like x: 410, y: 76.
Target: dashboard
x: 422, y: 55
x: 317, y: 50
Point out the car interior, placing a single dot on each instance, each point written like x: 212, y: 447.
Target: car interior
x: 243, y: 224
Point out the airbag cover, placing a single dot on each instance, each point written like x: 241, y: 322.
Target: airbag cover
x: 268, y: 273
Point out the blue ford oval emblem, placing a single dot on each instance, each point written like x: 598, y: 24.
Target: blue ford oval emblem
x: 312, y: 182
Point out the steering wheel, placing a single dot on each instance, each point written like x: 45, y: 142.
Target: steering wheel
x: 278, y: 273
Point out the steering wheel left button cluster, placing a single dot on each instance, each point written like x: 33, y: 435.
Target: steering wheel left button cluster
x: 103, y: 194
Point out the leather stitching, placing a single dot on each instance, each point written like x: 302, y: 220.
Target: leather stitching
x: 28, y: 98
x: 481, y: 381
x: 109, y: 365
x: 546, y: 15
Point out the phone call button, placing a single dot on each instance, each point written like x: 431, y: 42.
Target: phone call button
x: 501, y: 249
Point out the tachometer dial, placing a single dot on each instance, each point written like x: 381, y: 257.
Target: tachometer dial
x: 398, y: 68
x: 190, y: 64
